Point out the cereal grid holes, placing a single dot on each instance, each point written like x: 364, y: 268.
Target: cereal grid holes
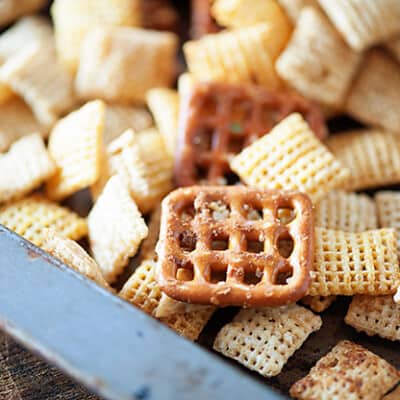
x: 349, y: 371
x: 263, y: 339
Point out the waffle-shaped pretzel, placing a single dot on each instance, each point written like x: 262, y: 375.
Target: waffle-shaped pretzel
x: 218, y: 120
x: 235, y: 245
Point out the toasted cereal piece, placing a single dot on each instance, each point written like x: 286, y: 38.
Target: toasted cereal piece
x: 48, y: 94
x: 375, y: 315
x: 394, y: 395
x: 144, y: 164
x: 393, y: 45
x: 318, y: 303
x: 348, y: 371
x: 74, y: 19
x: 240, y: 13
x: 355, y: 263
x: 116, y: 229
x: 76, y: 144
x: 374, y: 99
x: 344, y: 211
x: 388, y: 208
x: 290, y: 157
x: 119, y: 118
x: 10, y: 10
x: 73, y: 255
x: 263, y: 339
x: 164, y: 105
x: 143, y: 291
x: 239, y: 56
x: 24, y: 167
x: 294, y: 7
x: 312, y: 61
x: 23, y: 32
x: 372, y: 156
x: 29, y: 217
x: 148, y: 248
x: 17, y: 121
x: 364, y: 23
x: 122, y: 64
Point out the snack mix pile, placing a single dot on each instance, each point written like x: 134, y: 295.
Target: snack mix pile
x: 229, y: 190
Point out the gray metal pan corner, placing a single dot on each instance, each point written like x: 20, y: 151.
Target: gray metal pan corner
x: 103, y: 342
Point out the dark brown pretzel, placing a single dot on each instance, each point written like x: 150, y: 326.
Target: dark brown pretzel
x: 233, y: 245
x: 218, y: 120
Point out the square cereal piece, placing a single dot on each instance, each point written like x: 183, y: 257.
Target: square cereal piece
x: 145, y: 166
x: 363, y: 23
x: 73, y: 255
x: 10, y: 10
x: 375, y: 315
x: 23, y: 32
x: 24, y: 167
x: 120, y: 117
x: 263, y: 339
x: 237, y: 56
x: 75, y: 144
x: 371, y: 156
x: 312, y: 62
x: 31, y: 216
x: 164, y: 105
x: 143, y: 291
x: 294, y: 7
x: 355, y: 263
x: 388, y: 207
x: 318, y: 303
x: 17, y: 121
x: 122, y: 64
x: 348, y: 371
x: 74, y: 19
x: 290, y: 157
x: 48, y: 94
x: 373, y: 98
x: 344, y: 211
x: 116, y: 229
x: 241, y: 13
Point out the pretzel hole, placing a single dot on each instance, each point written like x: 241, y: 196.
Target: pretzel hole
x: 219, y: 242
x: 252, y: 277
x: 219, y: 210
x: 202, y: 140
x: 201, y: 172
x: 187, y: 241
x: 184, y: 274
x: 285, y: 245
x: 217, y: 274
x: 270, y: 117
x: 251, y: 213
x: 240, y: 112
x: 255, y: 246
x: 285, y: 215
x: 282, y: 277
x: 187, y: 213
x: 236, y: 144
x: 231, y: 178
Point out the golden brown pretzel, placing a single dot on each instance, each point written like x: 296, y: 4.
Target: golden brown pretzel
x: 233, y: 245
x: 218, y: 120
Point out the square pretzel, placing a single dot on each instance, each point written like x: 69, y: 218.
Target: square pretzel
x: 218, y: 120
x: 235, y: 246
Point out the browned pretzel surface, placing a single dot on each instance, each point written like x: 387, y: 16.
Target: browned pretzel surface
x: 235, y: 245
x: 218, y: 120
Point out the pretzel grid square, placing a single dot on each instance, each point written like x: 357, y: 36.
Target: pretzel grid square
x: 235, y: 246
x: 218, y: 120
